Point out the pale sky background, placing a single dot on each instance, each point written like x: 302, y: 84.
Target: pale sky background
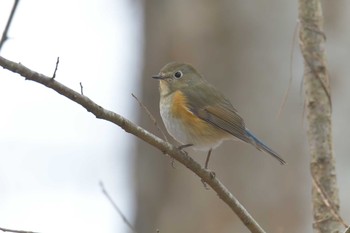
x: 53, y: 152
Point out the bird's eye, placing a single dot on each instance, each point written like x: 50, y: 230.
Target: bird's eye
x: 178, y: 74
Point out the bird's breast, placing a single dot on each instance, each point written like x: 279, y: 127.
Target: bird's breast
x: 184, y: 125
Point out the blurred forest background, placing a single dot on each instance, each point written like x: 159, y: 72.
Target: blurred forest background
x: 244, y: 48
x: 53, y: 153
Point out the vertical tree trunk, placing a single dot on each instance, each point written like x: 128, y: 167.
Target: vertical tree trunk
x: 318, y: 114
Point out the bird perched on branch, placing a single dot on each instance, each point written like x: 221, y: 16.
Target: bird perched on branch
x: 196, y: 114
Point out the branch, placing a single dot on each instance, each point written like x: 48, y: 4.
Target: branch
x: 141, y: 133
x: 4, y: 36
x: 319, y: 117
x: 15, y: 231
x: 125, y: 220
x: 149, y: 114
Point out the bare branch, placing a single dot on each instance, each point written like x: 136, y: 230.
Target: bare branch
x: 56, y: 67
x: 4, y: 36
x: 126, y: 221
x: 151, y: 117
x: 130, y: 127
x: 81, y: 88
x: 15, y: 231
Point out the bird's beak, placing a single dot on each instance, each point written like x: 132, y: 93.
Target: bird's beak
x: 158, y: 76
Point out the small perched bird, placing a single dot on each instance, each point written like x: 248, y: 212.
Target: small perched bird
x: 196, y: 114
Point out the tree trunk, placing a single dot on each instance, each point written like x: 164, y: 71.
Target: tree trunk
x: 319, y: 117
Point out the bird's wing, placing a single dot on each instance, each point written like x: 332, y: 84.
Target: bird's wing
x: 211, y: 106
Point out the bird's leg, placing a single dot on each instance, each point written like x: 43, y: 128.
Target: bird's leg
x: 207, y: 160
x: 212, y: 174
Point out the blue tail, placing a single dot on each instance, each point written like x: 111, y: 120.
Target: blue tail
x: 262, y: 147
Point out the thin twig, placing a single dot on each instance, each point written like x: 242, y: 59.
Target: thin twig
x: 151, y: 117
x: 4, y: 36
x: 54, y: 73
x: 15, y: 231
x: 81, y: 88
x: 126, y: 221
x: 285, y: 97
x: 165, y: 147
x: 327, y: 201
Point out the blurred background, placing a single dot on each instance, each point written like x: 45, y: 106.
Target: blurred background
x: 53, y: 153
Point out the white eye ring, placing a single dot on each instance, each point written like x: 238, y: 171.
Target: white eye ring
x: 178, y: 74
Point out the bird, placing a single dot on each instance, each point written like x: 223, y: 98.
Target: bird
x: 196, y: 114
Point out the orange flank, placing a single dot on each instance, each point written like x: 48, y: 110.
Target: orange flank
x: 180, y: 110
x: 198, y: 131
